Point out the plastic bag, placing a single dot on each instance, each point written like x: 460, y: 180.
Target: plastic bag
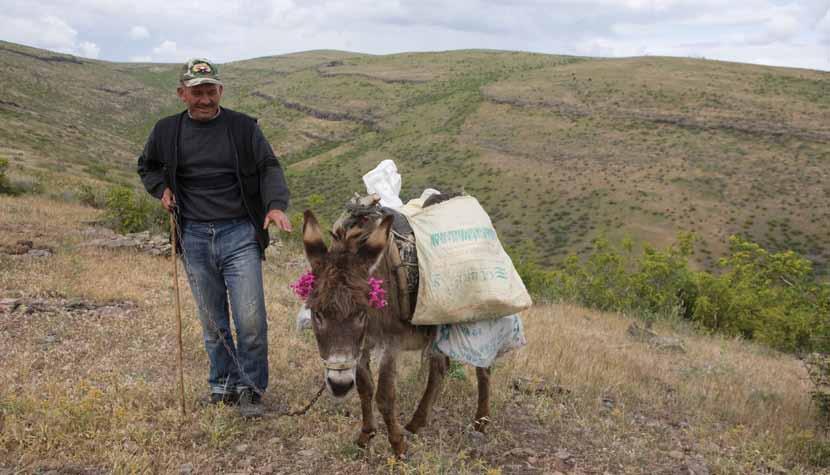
x: 385, y: 181
x: 480, y: 343
x: 303, y: 319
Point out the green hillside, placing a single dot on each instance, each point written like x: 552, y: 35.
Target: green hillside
x: 559, y: 149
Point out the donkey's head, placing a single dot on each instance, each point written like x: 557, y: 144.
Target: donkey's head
x: 339, y: 302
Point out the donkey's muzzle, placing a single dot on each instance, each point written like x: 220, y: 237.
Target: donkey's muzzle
x: 340, y: 374
x: 340, y: 388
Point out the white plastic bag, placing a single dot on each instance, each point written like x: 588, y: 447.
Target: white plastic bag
x: 303, y: 319
x: 385, y: 181
x: 479, y: 343
x: 465, y: 274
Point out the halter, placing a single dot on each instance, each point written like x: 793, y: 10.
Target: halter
x: 349, y: 364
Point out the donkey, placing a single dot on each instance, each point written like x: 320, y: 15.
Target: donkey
x: 348, y: 329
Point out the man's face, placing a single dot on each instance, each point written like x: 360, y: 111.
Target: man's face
x: 202, y: 100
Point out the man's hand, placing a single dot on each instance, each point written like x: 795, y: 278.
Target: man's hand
x: 279, y: 218
x: 168, y: 201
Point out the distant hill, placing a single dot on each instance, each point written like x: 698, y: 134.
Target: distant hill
x: 559, y: 149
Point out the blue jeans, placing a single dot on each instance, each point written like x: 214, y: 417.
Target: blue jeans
x: 223, y: 263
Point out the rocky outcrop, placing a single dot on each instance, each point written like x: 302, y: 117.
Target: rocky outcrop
x: 332, y: 116
x: 155, y: 244
x: 27, y: 248
x: 30, y: 306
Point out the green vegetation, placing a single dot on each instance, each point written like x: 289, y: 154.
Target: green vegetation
x: 771, y: 297
x: 560, y: 150
x: 128, y: 211
x: 4, y: 181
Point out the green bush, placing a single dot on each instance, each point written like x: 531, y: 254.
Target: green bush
x: 774, y: 298
x: 663, y: 284
x: 656, y: 284
x: 130, y: 212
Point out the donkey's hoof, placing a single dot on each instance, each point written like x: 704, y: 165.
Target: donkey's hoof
x: 413, y: 427
x: 399, y: 447
x: 364, y: 437
x: 481, y: 423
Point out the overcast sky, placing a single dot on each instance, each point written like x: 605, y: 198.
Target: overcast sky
x: 776, y: 32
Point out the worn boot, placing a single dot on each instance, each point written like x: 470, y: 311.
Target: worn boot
x: 228, y: 399
x: 250, y: 404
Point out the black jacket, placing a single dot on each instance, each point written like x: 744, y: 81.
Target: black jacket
x: 261, y: 179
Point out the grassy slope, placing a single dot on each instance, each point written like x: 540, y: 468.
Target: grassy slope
x: 95, y: 392
x: 67, y: 121
x: 558, y: 149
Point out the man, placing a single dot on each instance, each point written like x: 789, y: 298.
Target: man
x: 214, y: 169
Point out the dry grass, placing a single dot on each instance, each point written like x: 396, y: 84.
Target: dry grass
x: 725, y: 397
x: 93, y: 391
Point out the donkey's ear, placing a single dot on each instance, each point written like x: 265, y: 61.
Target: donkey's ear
x: 315, y: 248
x: 372, y: 249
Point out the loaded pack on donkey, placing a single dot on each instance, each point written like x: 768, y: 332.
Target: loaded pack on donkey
x: 430, y: 275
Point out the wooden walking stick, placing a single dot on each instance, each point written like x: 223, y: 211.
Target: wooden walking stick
x: 178, y: 308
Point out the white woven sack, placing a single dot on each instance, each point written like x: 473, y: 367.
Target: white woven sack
x: 465, y: 274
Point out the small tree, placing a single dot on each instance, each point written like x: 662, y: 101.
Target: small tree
x: 663, y: 284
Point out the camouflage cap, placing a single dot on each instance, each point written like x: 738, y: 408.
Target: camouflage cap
x: 199, y: 71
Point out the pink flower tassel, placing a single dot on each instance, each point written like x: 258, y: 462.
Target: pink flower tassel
x: 377, y: 296
x: 305, y: 284
x: 302, y: 287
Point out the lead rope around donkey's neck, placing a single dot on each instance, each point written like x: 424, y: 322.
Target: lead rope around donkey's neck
x: 177, y: 235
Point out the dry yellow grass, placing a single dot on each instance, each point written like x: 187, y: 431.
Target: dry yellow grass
x: 92, y: 389
x: 724, y: 395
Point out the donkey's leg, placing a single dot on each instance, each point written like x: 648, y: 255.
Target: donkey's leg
x: 437, y: 370
x: 366, y: 389
x: 483, y: 411
x: 387, y: 404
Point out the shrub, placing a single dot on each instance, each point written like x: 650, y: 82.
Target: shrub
x: 129, y: 212
x: 771, y: 297
x: 774, y: 298
x: 602, y: 281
